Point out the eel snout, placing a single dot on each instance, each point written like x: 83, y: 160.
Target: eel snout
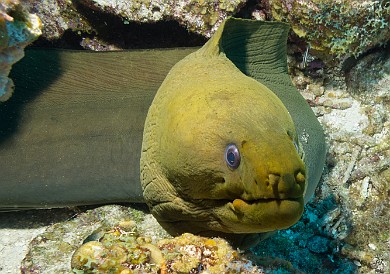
x: 272, y: 198
x: 279, y: 187
x: 287, y: 185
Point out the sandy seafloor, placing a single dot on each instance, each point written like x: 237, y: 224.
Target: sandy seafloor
x: 17, y: 229
x: 12, y: 252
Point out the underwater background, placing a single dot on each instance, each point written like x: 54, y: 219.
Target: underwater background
x: 338, y: 60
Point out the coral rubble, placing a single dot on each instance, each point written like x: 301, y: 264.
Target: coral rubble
x: 123, y: 250
x: 18, y: 28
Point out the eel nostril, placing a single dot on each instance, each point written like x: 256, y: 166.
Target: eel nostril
x: 287, y: 184
x: 300, y: 178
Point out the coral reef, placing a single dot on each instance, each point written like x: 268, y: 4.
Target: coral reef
x: 117, y: 250
x: 331, y: 28
x: 348, y: 220
x: 52, y: 250
x: 365, y: 187
x: 118, y: 239
x: 345, y: 229
x: 202, y: 17
x: 123, y: 250
x: 18, y: 28
x: 340, y: 27
x: 353, y: 106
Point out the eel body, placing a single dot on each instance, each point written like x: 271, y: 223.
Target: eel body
x: 229, y: 145
x: 72, y: 132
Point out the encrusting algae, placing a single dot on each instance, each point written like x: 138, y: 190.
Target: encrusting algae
x: 336, y: 28
x: 123, y: 250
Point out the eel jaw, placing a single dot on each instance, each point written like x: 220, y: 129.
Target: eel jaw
x: 273, y: 203
x: 263, y: 215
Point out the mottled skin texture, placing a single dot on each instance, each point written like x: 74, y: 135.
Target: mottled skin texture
x: 204, y: 104
x: 183, y: 169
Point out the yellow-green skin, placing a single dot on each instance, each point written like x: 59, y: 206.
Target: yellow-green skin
x: 204, y: 104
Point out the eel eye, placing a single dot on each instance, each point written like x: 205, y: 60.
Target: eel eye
x: 232, y: 156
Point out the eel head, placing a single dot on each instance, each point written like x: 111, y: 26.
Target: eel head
x: 220, y: 153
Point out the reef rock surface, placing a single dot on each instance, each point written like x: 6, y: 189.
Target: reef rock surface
x: 117, y: 239
x: 342, y: 27
x: 18, y: 28
x: 203, y: 16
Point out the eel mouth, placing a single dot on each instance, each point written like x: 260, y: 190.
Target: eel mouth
x: 261, y: 215
x: 240, y: 205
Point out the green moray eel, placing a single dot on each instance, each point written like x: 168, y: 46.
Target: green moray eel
x: 71, y: 134
x: 229, y: 146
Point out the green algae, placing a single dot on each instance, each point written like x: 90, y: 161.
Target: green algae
x: 336, y: 28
